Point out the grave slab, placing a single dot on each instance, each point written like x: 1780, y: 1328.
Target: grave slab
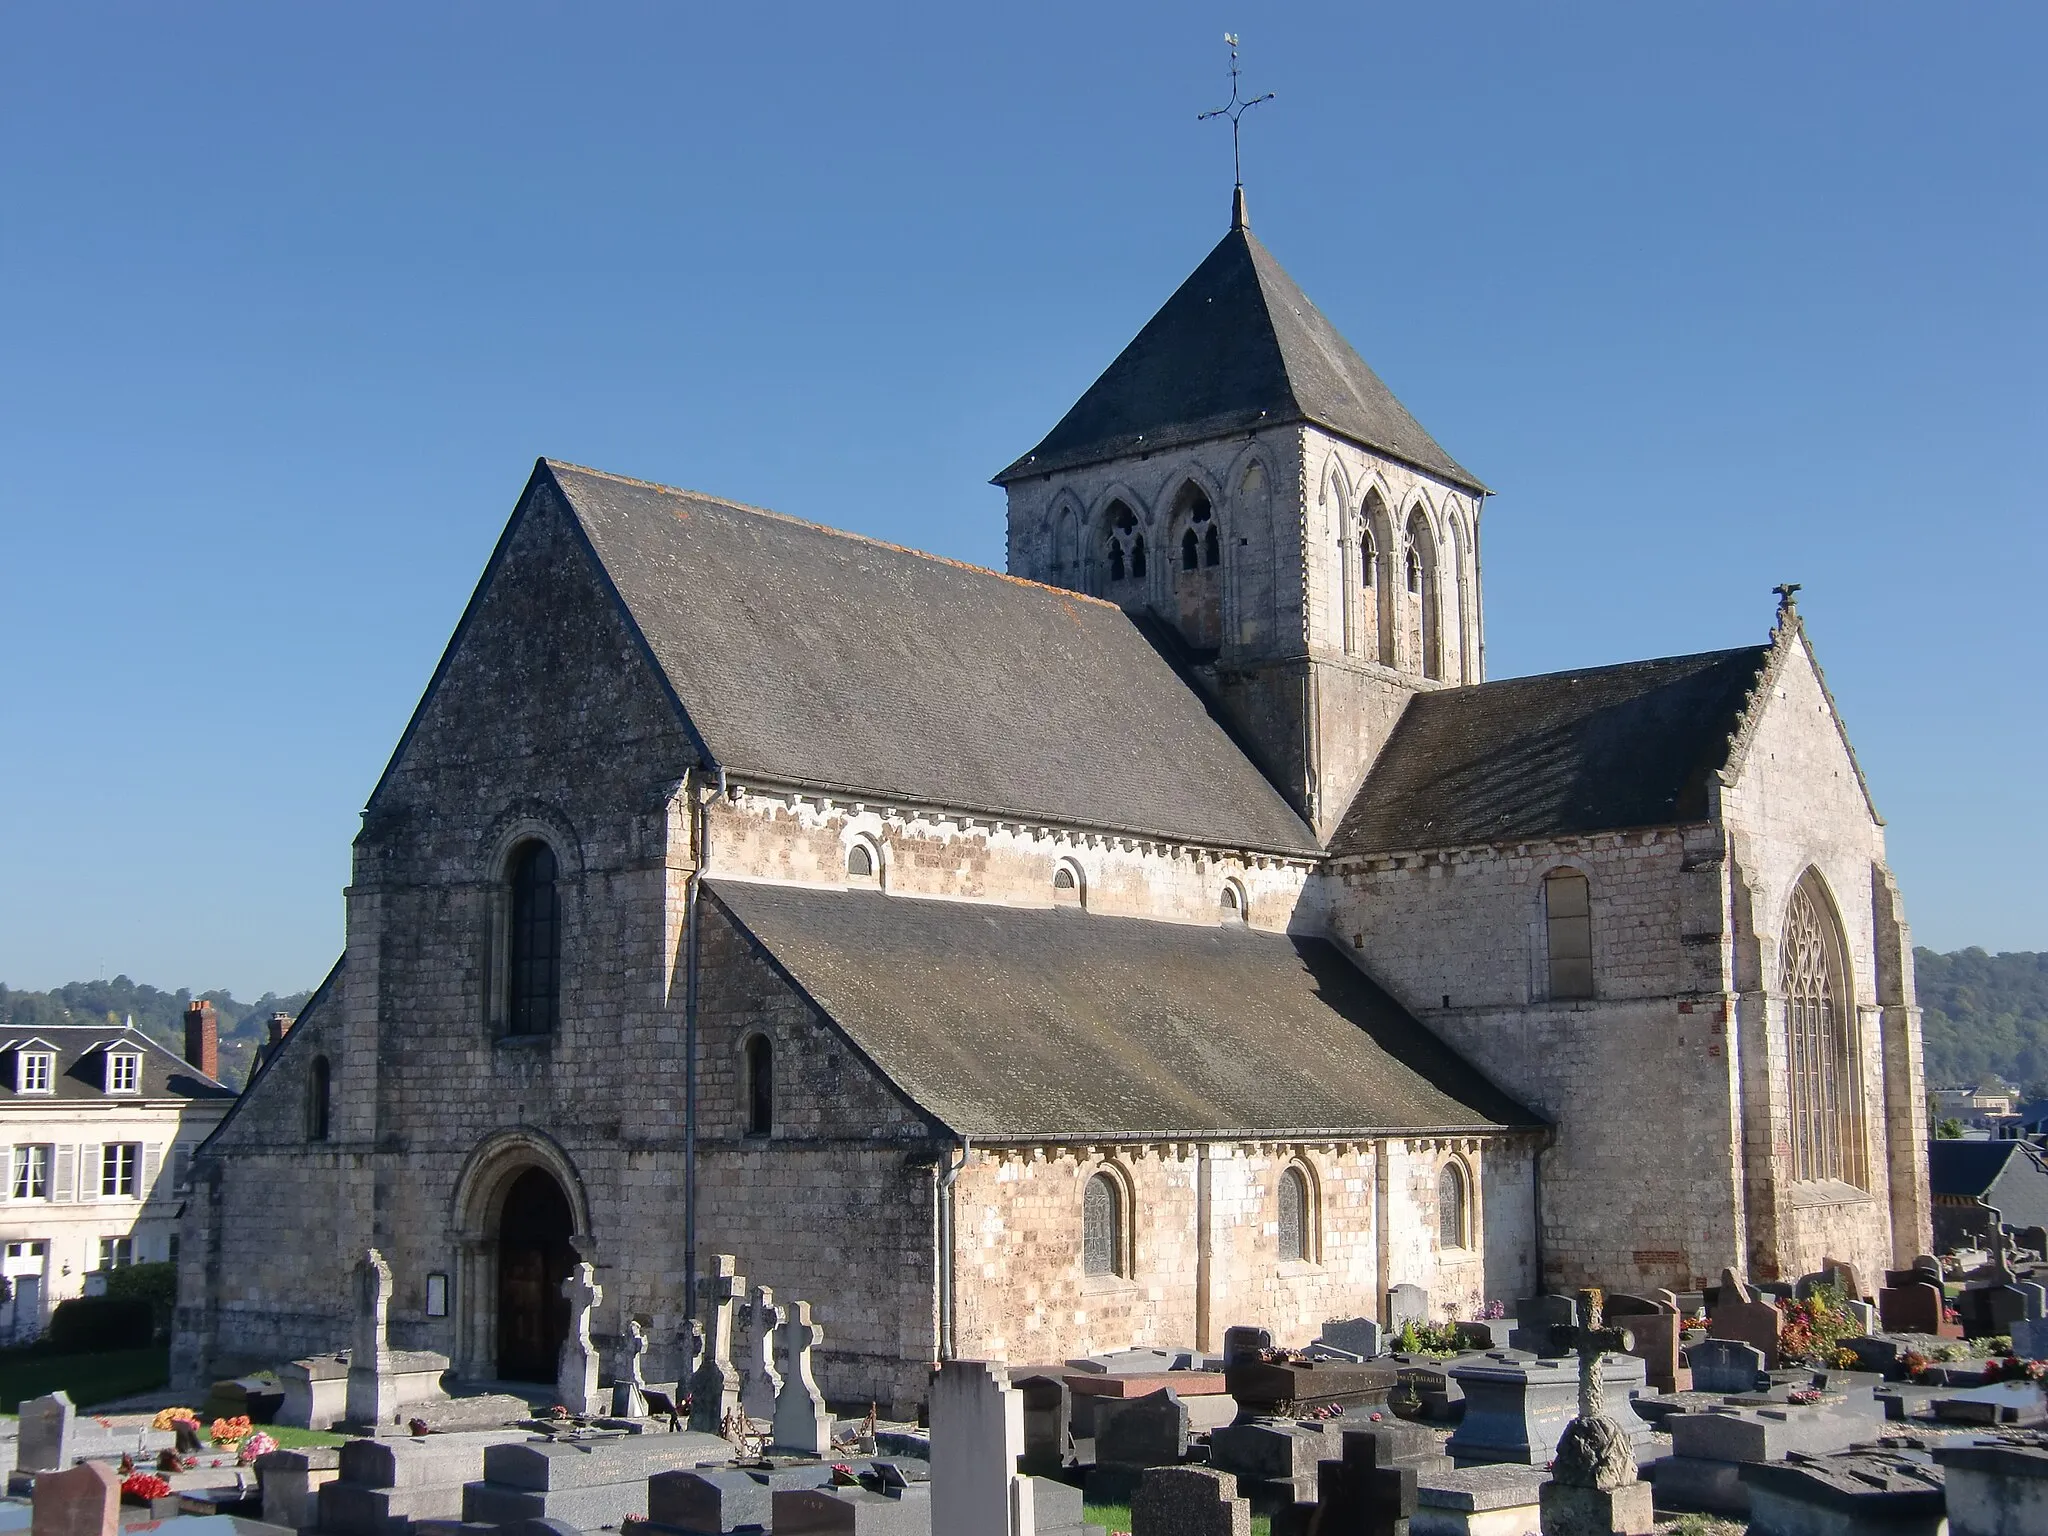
x: 854, y: 1512
x: 1516, y: 1409
x: 80, y: 1501
x: 1498, y: 1500
x: 1995, y: 1490
x: 1847, y: 1495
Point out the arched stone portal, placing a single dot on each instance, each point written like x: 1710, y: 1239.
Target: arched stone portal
x: 524, y: 1221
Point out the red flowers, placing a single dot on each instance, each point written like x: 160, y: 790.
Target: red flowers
x: 144, y: 1486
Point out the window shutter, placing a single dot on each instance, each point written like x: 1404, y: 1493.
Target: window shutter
x: 90, y: 1158
x: 152, y: 1157
x: 6, y: 1174
x: 63, y: 1186
x: 181, y: 1166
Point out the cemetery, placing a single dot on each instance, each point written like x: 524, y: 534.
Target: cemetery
x: 1907, y: 1402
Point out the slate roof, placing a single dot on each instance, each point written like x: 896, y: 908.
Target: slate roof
x: 1238, y: 346
x: 1603, y: 749
x: 2007, y: 1174
x: 815, y: 658
x: 81, y: 1072
x: 1062, y: 1024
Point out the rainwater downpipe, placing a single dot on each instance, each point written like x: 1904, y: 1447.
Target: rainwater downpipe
x: 693, y: 900
x: 949, y: 1170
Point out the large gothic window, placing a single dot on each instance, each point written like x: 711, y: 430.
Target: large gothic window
x: 535, y: 952
x: 1103, y: 1250
x: 1827, y: 1132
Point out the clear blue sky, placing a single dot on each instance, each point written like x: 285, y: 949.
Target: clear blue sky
x: 291, y: 297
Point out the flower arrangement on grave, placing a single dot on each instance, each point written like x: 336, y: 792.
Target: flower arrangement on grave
x: 2012, y: 1368
x: 1428, y: 1339
x: 1492, y: 1311
x: 230, y: 1431
x: 1845, y: 1359
x: 256, y: 1444
x: 1949, y: 1314
x: 170, y: 1418
x: 1811, y: 1328
x: 141, y: 1487
x: 1913, y: 1363
x: 1805, y: 1397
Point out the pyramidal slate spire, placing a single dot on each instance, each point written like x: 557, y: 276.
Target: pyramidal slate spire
x: 1239, y: 347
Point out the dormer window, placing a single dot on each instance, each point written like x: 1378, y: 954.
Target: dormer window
x: 124, y: 1072
x: 37, y: 1070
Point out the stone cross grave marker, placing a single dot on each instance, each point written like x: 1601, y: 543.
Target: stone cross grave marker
x: 1188, y: 1501
x: 1367, y: 1491
x: 83, y: 1501
x: 45, y: 1444
x: 715, y: 1388
x: 803, y: 1426
x: 629, y: 1382
x: 576, y: 1369
x: 372, y: 1384
x: 1593, y: 1484
x: 760, y: 1382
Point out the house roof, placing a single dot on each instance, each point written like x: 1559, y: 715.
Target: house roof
x: 1060, y: 1024
x: 1238, y: 347
x: 1606, y: 748
x: 81, y: 1072
x: 2005, y: 1174
x: 814, y: 658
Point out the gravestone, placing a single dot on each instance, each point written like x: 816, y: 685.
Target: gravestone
x: 977, y: 1423
x: 2036, y: 1298
x: 712, y: 1499
x: 1517, y: 1409
x: 1357, y: 1336
x: 1654, y: 1341
x: 1732, y: 1289
x: 1846, y: 1276
x: 1537, y: 1321
x: 1048, y: 1424
x: 1914, y: 1307
x: 1860, y: 1491
x: 629, y: 1386
x: 576, y: 1365
x: 1244, y: 1341
x: 1149, y: 1431
x: 1725, y: 1365
x: 82, y: 1501
x: 760, y: 1381
x: 1188, y: 1501
x: 1995, y: 1490
x: 1754, y: 1323
x: 292, y: 1481
x: 1406, y: 1304
x: 372, y: 1386
x: 2030, y: 1340
x: 715, y: 1385
x: 1593, y: 1488
x: 45, y: 1433
x: 803, y: 1426
x: 1367, y: 1490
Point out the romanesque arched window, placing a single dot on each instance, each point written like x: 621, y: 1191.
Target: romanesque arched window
x: 1568, y: 928
x: 1069, y: 888
x: 1104, y: 1246
x: 863, y: 863
x: 760, y: 1086
x: 1825, y: 1102
x: 534, y: 974
x: 1453, y: 1208
x: 317, y: 1100
x: 1236, y: 909
x: 1298, y: 1232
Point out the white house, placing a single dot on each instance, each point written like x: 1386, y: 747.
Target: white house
x: 97, y: 1127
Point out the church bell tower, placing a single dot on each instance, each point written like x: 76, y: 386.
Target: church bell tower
x: 1245, y: 486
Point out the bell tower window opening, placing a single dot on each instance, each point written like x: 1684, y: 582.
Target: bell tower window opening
x: 1198, y: 583
x: 534, y: 972
x: 1125, y: 551
x: 1826, y: 1118
x: 1425, y: 638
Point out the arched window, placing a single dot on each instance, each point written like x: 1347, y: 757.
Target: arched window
x: 1068, y: 887
x: 316, y: 1100
x: 1376, y: 636
x: 1425, y: 641
x: 1125, y: 550
x: 1066, y: 546
x: 1235, y: 908
x: 1104, y: 1250
x: 860, y: 860
x: 1568, y: 924
x: 1297, y: 1216
x: 1453, y: 1209
x: 760, y: 1086
x: 535, y: 971
x: 1827, y: 1131
x: 1198, y: 584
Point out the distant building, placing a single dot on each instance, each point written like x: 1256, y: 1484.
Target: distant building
x: 1981, y: 1104
x: 1980, y: 1185
x: 97, y: 1127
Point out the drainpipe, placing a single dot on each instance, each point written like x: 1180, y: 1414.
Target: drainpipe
x: 692, y: 901
x: 949, y: 1170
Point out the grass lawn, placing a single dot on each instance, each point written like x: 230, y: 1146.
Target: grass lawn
x: 89, y: 1379
x: 1114, y: 1518
x: 289, y: 1439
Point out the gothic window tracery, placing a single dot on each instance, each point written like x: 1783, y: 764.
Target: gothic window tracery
x: 1125, y: 553
x: 1826, y: 1122
x: 1198, y: 579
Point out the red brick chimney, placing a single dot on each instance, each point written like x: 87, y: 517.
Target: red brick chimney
x: 280, y: 1026
x: 202, y: 1038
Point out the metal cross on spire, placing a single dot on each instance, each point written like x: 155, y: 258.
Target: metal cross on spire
x: 1235, y: 109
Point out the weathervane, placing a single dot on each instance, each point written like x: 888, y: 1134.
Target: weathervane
x: 1234, y: 110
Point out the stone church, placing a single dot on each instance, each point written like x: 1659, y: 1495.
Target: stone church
x: 1176, y: 931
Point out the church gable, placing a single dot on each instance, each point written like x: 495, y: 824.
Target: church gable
x: 278, y: 1108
